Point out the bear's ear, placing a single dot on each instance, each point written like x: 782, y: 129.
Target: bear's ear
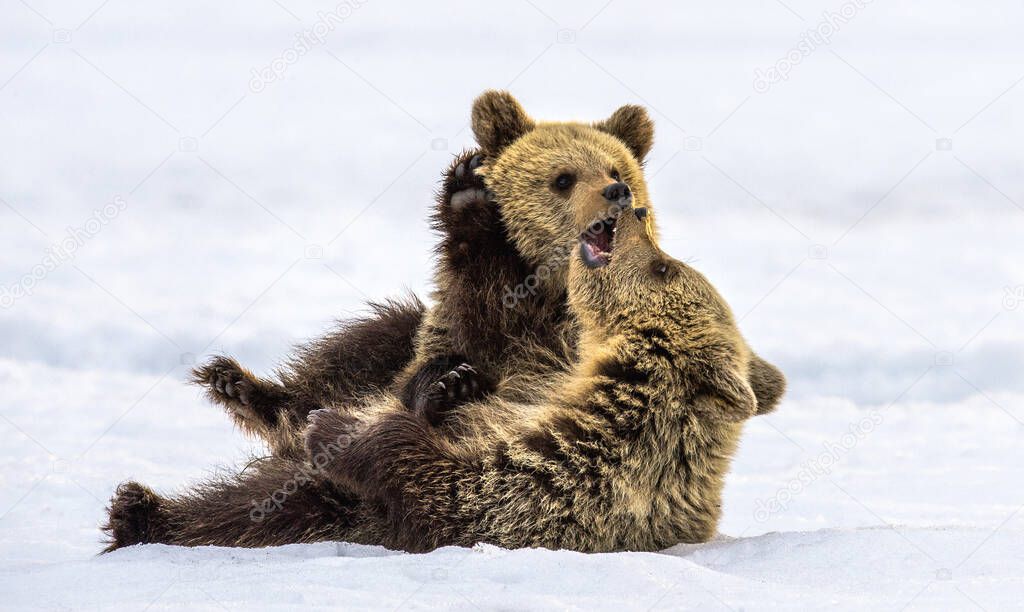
x: 633, y: 126
x: 768, y: 383
x: 498, y: 120
x: 726, y: 397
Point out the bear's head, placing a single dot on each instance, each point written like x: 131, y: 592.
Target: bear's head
x: 667, y: 315
x: 556, y: 181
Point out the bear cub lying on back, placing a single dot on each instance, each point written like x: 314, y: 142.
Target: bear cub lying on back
x: 518, y: 205
x: 627, y: 452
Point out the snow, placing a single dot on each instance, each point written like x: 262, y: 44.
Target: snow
x: 877, y: 263
x: 866, y: 568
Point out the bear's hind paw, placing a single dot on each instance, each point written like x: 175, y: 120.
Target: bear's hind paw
x: 133, y: 517
x: 251, y: 402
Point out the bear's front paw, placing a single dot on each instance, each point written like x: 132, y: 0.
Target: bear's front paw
x: 461, y: 385
x: 465, y: 188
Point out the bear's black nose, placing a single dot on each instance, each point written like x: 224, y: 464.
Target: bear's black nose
x: 617, y: 192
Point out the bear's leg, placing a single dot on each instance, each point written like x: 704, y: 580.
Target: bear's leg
x: 252, y: 402
x: 278, y: 502
x: 477, y: 262
x: 425, y: 495
x: 473, y: 234
x: 371, y: 457
x: 360, y: 356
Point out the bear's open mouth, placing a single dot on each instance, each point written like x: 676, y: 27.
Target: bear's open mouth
x: 597, y: 242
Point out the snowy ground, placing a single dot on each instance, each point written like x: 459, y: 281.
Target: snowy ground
x: 863, y: 216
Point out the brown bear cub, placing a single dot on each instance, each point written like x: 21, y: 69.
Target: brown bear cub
x: 628, y: 451
x: 508, y: 216
x: 540, y: 185
x: 499, y: 327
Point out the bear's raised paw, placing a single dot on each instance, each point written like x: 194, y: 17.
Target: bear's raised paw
x: 464, y: 188
x: 252, y: 403
x: 226, y: 381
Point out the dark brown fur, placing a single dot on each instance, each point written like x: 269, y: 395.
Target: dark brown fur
x: 258, y: 507
x: 360, y: 356
x: 478, y: 263
x: 518, y: 352
x: 628, y: 452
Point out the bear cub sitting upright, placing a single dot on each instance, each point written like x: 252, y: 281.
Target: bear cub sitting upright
x: 508, y: 215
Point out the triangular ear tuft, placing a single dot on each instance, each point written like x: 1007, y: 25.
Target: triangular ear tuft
x: 728, y: 398
x: 633, y: 126
x: 768, y: 383
x: 498, y: 120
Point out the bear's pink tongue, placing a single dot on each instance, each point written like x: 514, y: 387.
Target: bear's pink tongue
x: 592, y: 256
x: 596, y: 244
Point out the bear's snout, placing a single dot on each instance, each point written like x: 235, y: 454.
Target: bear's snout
x: 618, y: 193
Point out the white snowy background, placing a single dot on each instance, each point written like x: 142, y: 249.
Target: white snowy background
x: 863, y: 216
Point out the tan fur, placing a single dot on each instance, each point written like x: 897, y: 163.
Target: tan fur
x: 528, y: 350
x: 523, y: 157
x: 628, y: 451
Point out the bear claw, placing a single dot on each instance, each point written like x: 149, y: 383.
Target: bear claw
x: 226, y: 381
x: 465, y: 186
x: 460, y: 385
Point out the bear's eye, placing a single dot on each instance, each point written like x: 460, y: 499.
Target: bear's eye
x: 615, y: 176
x: 564, y: 181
